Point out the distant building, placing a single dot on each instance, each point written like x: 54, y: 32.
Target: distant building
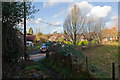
x: 55, y: 36
x: 30, y: 37
x: 109, y: 34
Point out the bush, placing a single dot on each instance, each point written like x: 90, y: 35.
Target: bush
x: 83, y: 43
x: 69, y: 42
x: 65, y: 42
x: 94, y: 42
x: 116, y: 40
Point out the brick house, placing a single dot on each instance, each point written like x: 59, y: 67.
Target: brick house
x: 55, y: 36
x: 109, y: 34
x: 30, y: 37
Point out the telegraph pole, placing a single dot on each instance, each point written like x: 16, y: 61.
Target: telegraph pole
x: 25, y: 57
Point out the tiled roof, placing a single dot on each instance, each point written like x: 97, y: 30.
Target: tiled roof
x: 30, y: 37
x: 108, y: 33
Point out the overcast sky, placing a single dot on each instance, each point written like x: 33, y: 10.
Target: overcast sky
x: 56, y: 12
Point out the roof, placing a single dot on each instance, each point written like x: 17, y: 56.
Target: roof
x: 30, y: 37
x: 108, y: 33
x: 56, y: 36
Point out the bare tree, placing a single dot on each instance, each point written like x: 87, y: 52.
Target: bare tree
x: 74, y: 24
x: 100, y: 26
x: 89, y: 30
x: 94, y: 30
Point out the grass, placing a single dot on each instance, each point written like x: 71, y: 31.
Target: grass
x: 37, y: 68
x: 102, y: 57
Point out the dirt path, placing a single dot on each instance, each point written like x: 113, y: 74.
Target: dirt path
x: 37, y: 57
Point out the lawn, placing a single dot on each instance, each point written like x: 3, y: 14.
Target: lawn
x: 102, y: 57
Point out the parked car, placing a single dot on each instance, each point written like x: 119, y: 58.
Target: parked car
x: 29, y: 43
x: 44, y: 48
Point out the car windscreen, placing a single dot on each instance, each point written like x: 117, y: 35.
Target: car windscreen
x: 44, y: 44
x: 27, y: 43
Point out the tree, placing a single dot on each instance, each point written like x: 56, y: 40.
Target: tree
x: 39, y: 34
x: 12, y: 14
x: 100, y: 26
x: 89, y: 31
x: 30, y: 31
x: 74, y: 24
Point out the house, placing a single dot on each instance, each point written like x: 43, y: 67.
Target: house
x: 30, y: 39
x: 55, y: 36
x: 109, y: 34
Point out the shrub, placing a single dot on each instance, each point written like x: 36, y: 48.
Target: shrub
x: 94, y: 42
x: 65, y: 42
x: 83, y: 43
x: 116, y: 40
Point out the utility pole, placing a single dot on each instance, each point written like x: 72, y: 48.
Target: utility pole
x: 25, y: 57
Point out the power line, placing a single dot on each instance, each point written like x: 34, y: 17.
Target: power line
x: 51, y: 24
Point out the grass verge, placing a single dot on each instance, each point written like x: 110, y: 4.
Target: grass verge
x: 102, y: 57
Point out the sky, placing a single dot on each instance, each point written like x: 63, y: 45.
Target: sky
x: 56, y: 12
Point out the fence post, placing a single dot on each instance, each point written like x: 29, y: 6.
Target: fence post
x: 113, y: 71
x: 86, y: 63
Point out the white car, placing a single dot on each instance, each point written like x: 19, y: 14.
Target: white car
x: 29, y: 43
x: 44, y: 48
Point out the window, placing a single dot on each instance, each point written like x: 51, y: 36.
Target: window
x: 55, y: 36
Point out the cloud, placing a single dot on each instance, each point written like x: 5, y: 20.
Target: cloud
x: 90, y: 10
x: 59, y: 14
x: 38, y: 20
x: 58, y: 29
x: 51, y: 3
x: 84, y: 6
x: 100, y: 11
x: 58, y: 23
x: 45, y: 29
x: 94, y: 12
x: 56, y: 15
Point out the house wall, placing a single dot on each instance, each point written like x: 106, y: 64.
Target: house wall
x: 104, y: 39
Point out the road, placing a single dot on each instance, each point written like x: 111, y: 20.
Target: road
x: 37, y: 55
